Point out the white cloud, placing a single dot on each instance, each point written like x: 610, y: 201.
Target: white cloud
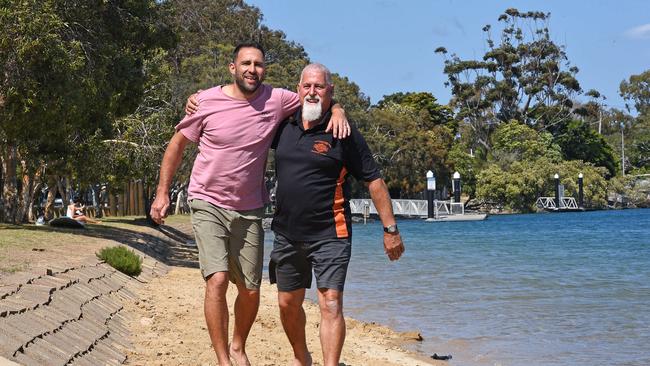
x: 640, y: 32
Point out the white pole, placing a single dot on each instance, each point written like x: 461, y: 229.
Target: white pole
x: 622, y: 149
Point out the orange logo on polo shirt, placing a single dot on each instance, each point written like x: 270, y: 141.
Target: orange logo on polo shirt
x: 321, y: 147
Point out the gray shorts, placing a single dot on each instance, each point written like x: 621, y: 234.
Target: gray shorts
x: 229, y: 241
x: 292, y: 263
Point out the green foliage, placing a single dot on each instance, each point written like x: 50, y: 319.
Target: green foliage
x: 579, y: 142
x: 467, y: 164
x: 435, y: 114
x: 518, y: 187
x: 520, y: 167
x: 520, y: 77
x: 636, y: 90
x: 122, y: 259
x: 636, y: 191
x: 404, y: 149
x: 514, y: 141
x: 638, y: 140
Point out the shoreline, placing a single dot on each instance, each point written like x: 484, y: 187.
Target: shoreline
x: 165, y: 319
x: 168, y: 328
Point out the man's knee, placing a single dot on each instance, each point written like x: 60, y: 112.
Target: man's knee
x: 289, y: 301
x: 331, y: 304
x: 248, y: 294
x: 216, y: 285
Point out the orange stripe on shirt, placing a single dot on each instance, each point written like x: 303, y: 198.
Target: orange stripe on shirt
x: 339, y: 210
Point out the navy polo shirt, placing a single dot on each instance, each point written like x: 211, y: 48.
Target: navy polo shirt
x: 312, y: 169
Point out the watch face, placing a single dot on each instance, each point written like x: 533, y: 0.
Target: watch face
x: 391, y: 229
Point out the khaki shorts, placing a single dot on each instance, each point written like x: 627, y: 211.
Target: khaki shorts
x: 229, y: 241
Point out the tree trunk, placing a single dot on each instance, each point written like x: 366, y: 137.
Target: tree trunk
x: 25, y: 195
x: 112, y: 203
x: 133, y: 210
x: 51, y: 195
x: 9, y: 189
x: 36, y: 195
x: 96, y: 202
x: 123, y: 202
x: 65, y: 197
x: 141, y: 205
x: 147, y: 201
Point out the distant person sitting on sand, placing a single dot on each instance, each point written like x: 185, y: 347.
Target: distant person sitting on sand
x: 76, y: 210
x: 312, y: 222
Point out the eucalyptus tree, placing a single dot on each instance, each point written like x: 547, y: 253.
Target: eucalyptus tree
x: 636, y: 92
x: 523, y: 76
x: 69, y: 68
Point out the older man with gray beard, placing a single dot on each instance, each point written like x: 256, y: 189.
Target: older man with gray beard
x: 312, y: 222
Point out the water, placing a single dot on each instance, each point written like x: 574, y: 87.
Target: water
x: 546, y: 289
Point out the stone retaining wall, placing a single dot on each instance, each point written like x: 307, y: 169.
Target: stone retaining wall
x: 68, y: 316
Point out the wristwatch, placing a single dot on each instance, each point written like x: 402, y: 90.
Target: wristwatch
x: 391, y: 229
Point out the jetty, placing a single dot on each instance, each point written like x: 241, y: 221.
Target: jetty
x: 442, y: 210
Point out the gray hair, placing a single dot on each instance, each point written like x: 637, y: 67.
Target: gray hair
x: 318, y: 67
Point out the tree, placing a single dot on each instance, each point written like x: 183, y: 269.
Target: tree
x: 69, y: 68
x: 423, y: 102
x: 518, y: 187
x: 514, y: 141
x: 523, y: 76
x: 404, y: 149
x: 579, y: 142
x: 636, y: 92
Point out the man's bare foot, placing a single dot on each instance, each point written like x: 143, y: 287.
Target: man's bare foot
x: 238, y: 357
x: 307, y: 362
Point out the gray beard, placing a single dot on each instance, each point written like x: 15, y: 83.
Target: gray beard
x: 311, y: 112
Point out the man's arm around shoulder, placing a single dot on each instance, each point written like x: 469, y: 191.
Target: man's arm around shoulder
x: 393, y: 245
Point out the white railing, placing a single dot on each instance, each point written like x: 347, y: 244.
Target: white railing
x: 400, y: 207
x: 548, y: 203
x: 409, y: 207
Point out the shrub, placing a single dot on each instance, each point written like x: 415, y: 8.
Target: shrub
x: 122, y: 259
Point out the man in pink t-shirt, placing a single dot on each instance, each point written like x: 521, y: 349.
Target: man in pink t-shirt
x: 234, y: 128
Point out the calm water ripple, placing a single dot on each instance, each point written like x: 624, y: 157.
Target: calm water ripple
x: 546, y: 289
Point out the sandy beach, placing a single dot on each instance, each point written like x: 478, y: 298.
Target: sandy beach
x: 165, y: 320
x: 168, y: 328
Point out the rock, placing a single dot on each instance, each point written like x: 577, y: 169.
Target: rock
x: 412, y: 336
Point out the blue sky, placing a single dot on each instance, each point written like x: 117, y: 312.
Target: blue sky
x: 386, y: 46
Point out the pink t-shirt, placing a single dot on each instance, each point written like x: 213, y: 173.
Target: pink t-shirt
x: 234, y: 137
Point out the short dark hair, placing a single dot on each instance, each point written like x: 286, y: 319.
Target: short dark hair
x: 247, y: 45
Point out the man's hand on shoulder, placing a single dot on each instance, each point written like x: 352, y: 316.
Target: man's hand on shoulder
x: 393, y: 246
x: 338, y: 123
x: 192, y: 105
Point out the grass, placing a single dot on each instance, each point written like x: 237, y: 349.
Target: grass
x: 122, y: 259
x: 25, y: 246
x: 14, y: 268
x: 29, y: 236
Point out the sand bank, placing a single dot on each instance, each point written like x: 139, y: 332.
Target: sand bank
x: 168, y: 328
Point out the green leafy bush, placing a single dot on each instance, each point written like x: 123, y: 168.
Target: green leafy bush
x: 122, y: 259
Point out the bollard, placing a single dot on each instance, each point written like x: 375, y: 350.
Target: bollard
x: 557, y: 191
x: 431, y: 189
x: 581, y: 195
x: 456, y: 187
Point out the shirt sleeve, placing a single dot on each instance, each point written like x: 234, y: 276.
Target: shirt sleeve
x: 191, y: 126
x: 358, y: 157
x: 290, y: 103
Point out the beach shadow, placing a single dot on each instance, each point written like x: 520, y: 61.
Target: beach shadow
x: 168, y: 245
